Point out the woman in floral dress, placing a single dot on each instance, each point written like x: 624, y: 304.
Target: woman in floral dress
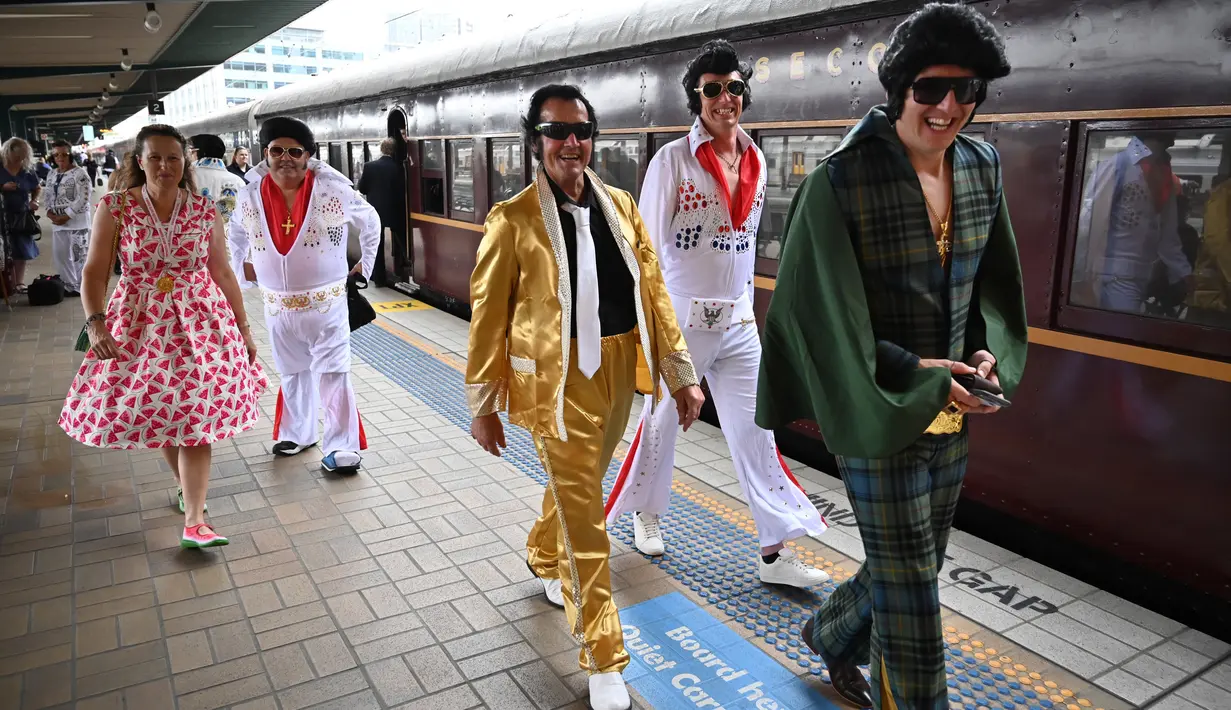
x: 172, y: 364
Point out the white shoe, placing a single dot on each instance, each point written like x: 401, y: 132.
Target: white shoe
x: 341, y: 461
x: 647, y: 537
x: 607, y: 692
x: 553, y: 590
x: 788, y: 569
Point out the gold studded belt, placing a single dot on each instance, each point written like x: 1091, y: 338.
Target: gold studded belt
x: 317, y: 299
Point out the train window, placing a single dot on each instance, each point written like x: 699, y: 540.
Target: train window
x: 1154, y: 225
x: 658, y: 140
x: 432, y: 178
x: 357, y: 159
x: 434, y: 155
x: 788, y: 160
x: 461, y: 179
x: 508, y: 169
x: 615, y: 161
x: 337, y: 157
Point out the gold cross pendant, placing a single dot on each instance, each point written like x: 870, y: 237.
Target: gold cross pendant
x: 942, y: 244
x: 288, y: 226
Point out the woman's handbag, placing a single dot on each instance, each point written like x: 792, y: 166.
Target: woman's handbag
x: 23, y: 224
x: 83, y: 338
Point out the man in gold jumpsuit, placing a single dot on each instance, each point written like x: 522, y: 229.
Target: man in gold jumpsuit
x: 565, y: 292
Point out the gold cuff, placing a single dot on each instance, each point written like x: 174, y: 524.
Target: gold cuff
x: 677, y: 370
x: 486, y: 397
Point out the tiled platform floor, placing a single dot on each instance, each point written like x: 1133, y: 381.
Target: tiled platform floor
x: 404, y: 586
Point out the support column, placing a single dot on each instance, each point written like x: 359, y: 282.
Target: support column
x: 6, y: 125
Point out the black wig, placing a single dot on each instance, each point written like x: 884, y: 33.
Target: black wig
x: 940, y: 33
x: 534, y: 114
x: 717, y: 57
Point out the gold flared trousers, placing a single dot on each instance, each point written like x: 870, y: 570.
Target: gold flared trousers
x: 569, y: 540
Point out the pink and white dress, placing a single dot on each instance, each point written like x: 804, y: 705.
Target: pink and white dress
x: 183, y: 378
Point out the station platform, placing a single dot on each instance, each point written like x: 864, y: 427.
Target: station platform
x: 405, y: 586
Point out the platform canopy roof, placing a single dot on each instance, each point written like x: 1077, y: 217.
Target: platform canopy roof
x: 59, y: 56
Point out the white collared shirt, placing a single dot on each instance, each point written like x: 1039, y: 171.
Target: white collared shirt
x: 701, y: 254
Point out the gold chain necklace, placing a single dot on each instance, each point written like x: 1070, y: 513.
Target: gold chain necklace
x: 942, y: 242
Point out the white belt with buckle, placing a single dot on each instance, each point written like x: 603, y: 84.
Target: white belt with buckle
x: 715, y: 314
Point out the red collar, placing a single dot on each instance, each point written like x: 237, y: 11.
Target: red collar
x: 284, y: 225
x: 745, y: 191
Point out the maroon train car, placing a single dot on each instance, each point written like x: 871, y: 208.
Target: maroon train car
x: 1114, y: 463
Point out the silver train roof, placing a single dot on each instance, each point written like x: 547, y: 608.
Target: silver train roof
x: 525, y: 43
x: 531, y: 42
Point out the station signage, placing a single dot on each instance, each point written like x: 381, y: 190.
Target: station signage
x: 684, y: 658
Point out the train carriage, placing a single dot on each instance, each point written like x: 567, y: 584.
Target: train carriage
x: 1114, y: 464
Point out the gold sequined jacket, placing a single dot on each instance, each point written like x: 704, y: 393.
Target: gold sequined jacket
x: 521, y: 305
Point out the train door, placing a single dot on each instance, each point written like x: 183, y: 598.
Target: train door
x: 399, y: 251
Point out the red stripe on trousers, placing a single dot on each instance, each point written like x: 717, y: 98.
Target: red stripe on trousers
x: 624, y: 470
x: 278, y: 415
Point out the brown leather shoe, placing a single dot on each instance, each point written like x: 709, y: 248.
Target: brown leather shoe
x: 846, y: 677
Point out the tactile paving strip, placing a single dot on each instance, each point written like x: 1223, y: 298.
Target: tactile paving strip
x: 713, y: 551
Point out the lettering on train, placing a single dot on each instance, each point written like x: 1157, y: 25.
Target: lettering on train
x: 761, y: 74
x: 835, y: 69
x: 875, y: 55
x: 798, y: 70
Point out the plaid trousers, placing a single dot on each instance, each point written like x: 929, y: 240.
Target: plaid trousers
x: 888, y: 614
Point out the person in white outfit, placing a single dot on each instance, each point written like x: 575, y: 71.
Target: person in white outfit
x: 290, y: 227
x: 701, y: 201
x: 69, y: 211
x: 214, y: 180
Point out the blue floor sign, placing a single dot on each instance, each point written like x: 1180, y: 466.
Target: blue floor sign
x: 684, y: 658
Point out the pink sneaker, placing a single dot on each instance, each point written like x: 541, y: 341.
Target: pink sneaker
x: 202, y: 535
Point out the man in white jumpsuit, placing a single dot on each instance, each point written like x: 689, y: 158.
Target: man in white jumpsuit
x: 701, y: 201
x: 290, y: 225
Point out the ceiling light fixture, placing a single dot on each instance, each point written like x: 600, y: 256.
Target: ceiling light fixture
x: 153, y: 21
x: 111, y: 85
x: 126, y: 63
x: 41, y: 16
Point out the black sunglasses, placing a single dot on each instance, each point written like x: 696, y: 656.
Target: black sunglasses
x: 276, y: 151
x: 932, y: 90
x: 560, y: 131
x: 711, y: 89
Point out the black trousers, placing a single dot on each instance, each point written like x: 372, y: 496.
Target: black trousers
x: 381, y: 273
